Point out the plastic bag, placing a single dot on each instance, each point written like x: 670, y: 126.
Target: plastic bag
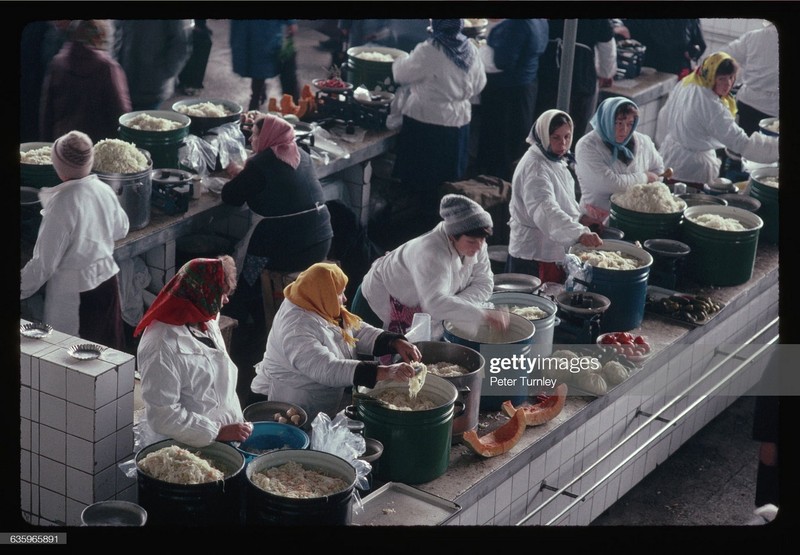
x: 229, y: 142
x: 198, y: 155
x: 334, y: 437
x: 578, y: 273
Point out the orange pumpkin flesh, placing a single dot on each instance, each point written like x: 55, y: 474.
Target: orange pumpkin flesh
x: 543, y: 411
x: 499, y: 441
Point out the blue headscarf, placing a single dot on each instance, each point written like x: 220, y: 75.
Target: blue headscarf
x: 603, y: 122
x: 447, y: 35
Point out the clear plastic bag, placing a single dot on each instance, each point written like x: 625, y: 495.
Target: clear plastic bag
x: 577, y: 272
x: 198, y: 155
x: 229, y: 142
x: 335, y: 437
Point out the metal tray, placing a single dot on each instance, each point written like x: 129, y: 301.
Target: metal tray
x: 397, y: 504
x: 658, y: 293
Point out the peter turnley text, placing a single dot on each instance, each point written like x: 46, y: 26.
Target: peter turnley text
x: 526, y: 382
x: 529, y: 364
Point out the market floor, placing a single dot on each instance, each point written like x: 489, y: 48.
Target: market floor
x: 709, y: 481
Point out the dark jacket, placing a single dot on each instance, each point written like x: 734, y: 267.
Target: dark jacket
x: 517, y: 45
x: 255, y: 45
x: 84, y: 90
x: 668, y: 42
x: 271, y: 188
x: 152, y: 52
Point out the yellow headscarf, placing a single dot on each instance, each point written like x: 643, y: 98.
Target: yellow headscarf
x: 706, y: 73
x: 317, y: 289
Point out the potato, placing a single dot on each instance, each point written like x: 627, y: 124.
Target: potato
x: 295, y: 418
x: 283, y: 420
x: 277, y: 417
x: 291, y: 412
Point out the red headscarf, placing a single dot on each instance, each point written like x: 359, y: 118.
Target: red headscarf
x: 192, y: 296
x: 278, y: 134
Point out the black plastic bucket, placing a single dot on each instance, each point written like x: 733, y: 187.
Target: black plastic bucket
x: 373, y: 74
x: 721, y: 258
x: 416, y: 443
x: 266, y: 508
x: 163, y: 146
x: 641, y: 226
x: 626, y: 289
x: 768, y: 196
x: 218, y: 503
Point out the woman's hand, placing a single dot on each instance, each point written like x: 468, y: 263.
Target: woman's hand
x: 235, y: 432
x: 400, y: 372
x: 407, y: 351
x: 590, y: 240
x: 233, y: 169
x: 497, y: 319
x: 652, y: 176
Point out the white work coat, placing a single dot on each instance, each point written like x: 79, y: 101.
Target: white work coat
x: 307, y: 361
x: 757, y: 53
x: 544, y: 212
x: 428, y: 272
x: 695, y: 123
x: 188, y: 388
x: 600, y: 177
x: 439, y: 92
x: 74, y: 251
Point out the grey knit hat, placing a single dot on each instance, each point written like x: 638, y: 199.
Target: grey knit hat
x: 462, y: 214
x: 73, y: 155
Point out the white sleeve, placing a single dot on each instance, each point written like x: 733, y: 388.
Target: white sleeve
x: 411, y: 68
x: 51, y: 244
x: 606, y: 59
x: 308, y: 355
x: 548, y: 214
x: 593, y: 168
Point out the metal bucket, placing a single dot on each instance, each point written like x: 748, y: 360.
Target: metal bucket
x: 218, y: 503
x: 265, y: 508
x: 113, y: 513
x: 768, y: 197
x: 721, y: 258
x: 135, y: 191
x: 543, y: 338
x: 416, y: 443
x: 515, y: 341
x: 468, y: 385
x: 162, y: 145
x: 641, y: 226
x: 626, y: 289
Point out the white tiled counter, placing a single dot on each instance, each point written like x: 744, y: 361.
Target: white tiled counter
x: 76, y: 419
x: 571, y: 469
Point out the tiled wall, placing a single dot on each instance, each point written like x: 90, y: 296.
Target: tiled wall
x: 76, y: 427
x: 522, y: 493
x: 717, y: 32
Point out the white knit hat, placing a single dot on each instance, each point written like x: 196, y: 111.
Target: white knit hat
x: 462, y: 214
x: 73, y: 155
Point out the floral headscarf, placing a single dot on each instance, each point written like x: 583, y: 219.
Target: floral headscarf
x: 540, y: 134
x: 604, y: 122
x: 192, y: 296
x: 706, y: 74
x: 317, y: 289
x: 446, y: 33
x: 278, y: 134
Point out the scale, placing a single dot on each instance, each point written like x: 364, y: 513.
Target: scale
x: 343, y: 106
x: 579, y: 313
x: 172, y: 190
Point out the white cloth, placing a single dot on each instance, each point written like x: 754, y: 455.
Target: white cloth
x: 757, y: 53
x: 188, y: 388
x: 695, y: 123
x: 605, y: 59
x: 307, y: 361
x: 599, y: 177
x: 428, y: 272
x: 439, y: 91
x: 74, y: 251
x: 133, y: 278
x: 544, y: 212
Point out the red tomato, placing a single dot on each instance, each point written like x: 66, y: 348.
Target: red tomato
x: 639, y: 340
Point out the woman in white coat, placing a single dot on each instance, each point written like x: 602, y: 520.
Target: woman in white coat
x: 74, y: 251
x: 188, y: 378
x: 699, y: 118
x: 612, y: 158
x: 544, y: 213
x: 314, y: 345
x: 445, y: 272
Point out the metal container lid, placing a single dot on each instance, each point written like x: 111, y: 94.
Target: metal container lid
x: 519, y: 283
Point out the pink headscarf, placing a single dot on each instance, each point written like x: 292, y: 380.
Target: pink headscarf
x: 278, y: 134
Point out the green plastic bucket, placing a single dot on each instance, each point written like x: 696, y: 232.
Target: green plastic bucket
x: 416, y: 443
x: 626, y: 289
x: 721, y: 258
x: 641, y: 226
x: 767, y: 195
x: 37, y: 175
x: 373, y: 74
x: 163, y: 146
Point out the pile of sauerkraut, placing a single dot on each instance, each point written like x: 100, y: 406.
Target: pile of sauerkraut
x: 610, y: 260
x: 177, y: 465
x: 294, y: 480
x: 118, y: 156
x: 769, y: 181
x: 529, y: 312
x: 398, y: 399
x: 715, y: 221
x: 447, y: 369
x: 375, y: 56
x: 204, y: 110
x: 146, y: 122
x: 38, y: 156
x: 651, y: 198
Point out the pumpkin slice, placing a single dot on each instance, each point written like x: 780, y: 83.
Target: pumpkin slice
x: 547, y: 407
x: 499, y: 441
